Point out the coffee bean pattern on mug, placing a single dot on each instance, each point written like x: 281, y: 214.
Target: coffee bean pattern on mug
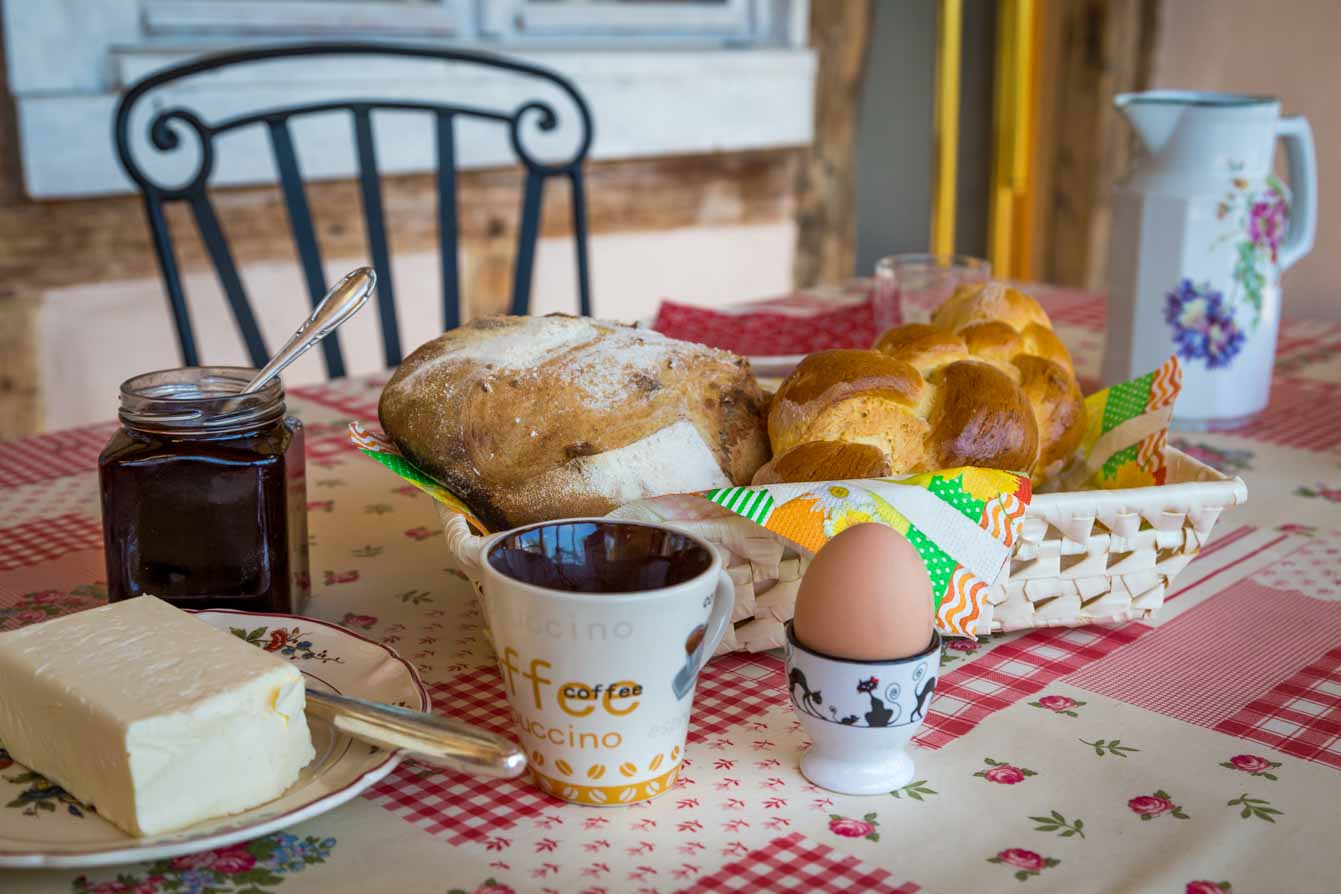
x: 583, y: 793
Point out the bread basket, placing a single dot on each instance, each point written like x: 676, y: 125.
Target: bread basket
x: 1081, y: 558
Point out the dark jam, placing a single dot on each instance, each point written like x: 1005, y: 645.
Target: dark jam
x: 205, y: 519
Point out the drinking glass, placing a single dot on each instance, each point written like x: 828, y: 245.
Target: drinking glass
x: 908, y: 287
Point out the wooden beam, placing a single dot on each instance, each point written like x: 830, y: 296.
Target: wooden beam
x: 826, y: 215
x: 20, y: 388
x: 1094, y: 49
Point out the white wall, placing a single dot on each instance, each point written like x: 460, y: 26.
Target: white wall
x: 93, y: 337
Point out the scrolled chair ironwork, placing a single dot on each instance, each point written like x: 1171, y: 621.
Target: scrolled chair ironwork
x: 169, y: 129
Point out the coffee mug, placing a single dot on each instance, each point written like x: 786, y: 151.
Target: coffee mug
x: 600, y: 629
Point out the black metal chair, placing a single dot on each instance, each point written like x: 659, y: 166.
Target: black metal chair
x: 163, y: 135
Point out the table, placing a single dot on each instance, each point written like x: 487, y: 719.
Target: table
x: 1200, y: 752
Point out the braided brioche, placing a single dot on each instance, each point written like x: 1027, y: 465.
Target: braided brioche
x: 987, y: 383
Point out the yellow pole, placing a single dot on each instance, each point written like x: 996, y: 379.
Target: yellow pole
x: 945, y: 126
x: 1008, y: 238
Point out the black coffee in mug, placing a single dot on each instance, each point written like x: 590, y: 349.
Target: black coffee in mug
x: 599, y: 557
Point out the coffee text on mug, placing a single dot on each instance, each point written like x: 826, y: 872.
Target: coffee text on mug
x: 617, y: 698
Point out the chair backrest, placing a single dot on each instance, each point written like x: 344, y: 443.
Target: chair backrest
x: 164, y: 133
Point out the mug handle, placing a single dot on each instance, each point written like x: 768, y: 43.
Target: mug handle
x: 1303, y: 165
x: 719, y: 619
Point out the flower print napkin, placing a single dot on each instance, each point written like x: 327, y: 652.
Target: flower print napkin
x: 963, y: 523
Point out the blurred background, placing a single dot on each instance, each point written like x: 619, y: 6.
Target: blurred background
x: 743, y: 148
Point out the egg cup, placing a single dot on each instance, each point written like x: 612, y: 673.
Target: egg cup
x: 860, y: 715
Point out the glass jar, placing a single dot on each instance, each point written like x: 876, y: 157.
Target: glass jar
x: 204, y: 493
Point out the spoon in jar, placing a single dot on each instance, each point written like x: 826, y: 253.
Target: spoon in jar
x: 340, y: 303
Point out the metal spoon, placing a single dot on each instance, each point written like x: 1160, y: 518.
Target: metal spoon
x: 341, y: 302
x: 429, y: 738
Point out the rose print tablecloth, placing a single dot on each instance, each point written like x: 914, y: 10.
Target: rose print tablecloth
x: 1198, y: 753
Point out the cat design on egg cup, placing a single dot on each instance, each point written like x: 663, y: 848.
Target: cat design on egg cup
x: 860, y: 715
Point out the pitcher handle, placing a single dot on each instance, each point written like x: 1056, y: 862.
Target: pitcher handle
x: 1303, y: 165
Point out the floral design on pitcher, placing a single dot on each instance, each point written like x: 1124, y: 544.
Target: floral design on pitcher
x: 1260, y: 220
x: 1203, y: 324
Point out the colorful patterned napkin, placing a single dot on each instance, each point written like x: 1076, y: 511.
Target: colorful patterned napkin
x: 1128, y: 431
x: 963, y: 523
x: 381, y: 448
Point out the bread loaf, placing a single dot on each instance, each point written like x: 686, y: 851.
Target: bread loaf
x: 533, y: 418
x: 987, y: 383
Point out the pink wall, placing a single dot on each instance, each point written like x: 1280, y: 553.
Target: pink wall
x: 1283, y: 47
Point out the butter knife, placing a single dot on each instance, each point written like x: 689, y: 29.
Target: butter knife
x: 426, y: 737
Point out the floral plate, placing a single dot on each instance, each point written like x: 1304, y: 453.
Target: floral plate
x: 42, y: 826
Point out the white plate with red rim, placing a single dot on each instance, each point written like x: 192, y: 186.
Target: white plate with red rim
x: 43, y: 827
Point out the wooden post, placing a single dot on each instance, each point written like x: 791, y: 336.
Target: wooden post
x: 20, y: 391
x: 1093, y: 50
x: 826, y: 214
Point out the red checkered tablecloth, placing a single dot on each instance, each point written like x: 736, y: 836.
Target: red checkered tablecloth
x: 1198, y: 752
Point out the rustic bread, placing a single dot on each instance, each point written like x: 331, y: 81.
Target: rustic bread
x: 533, y: 418
x: 987, y: 383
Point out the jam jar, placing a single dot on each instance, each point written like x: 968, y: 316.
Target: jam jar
x: 204, y: 493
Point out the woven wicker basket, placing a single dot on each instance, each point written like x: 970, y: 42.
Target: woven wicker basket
x: 1081, y: 558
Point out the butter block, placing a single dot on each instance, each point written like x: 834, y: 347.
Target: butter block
x: 151, y: 715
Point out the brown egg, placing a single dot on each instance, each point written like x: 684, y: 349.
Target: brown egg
x: 865, y: 597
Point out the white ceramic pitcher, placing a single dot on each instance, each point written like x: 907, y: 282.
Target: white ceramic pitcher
x: 1202, y: 230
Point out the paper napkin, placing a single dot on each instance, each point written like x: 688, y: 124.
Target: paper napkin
x: 963, y: 523
x: 1128, y: 431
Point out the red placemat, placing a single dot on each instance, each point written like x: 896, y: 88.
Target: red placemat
x: 768, y: 332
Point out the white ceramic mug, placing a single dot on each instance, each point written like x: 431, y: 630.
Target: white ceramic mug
x: 600, y: 629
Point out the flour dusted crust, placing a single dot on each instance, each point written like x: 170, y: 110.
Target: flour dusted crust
x: 533, y: 418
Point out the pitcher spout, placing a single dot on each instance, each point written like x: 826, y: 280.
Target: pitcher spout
x: 1159, y: 116
x: 1153, y: 120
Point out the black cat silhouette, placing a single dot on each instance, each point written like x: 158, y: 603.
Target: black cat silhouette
x: 923, y: 696
x: 808, y: 699
x: 879, y: 715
